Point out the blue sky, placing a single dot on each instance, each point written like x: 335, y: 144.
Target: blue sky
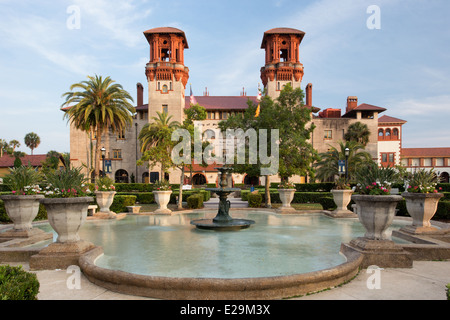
x: 404, y: 66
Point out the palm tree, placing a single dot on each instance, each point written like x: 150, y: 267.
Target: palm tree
x: 358, y: 132
x: 328, y: 168
x: 157, y: 135
x: 100, y: 105
x: 32, y: 141
x: 13, y: 144
x: 3, y: 147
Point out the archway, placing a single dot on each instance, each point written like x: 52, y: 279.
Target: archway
x: 199, y: 179
x: 445, y: 178
x: 121, y: 176
x: 254, y: 181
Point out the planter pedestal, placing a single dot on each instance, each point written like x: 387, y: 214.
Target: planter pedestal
x: 22, y: 210
x: 286, y: 197
x: 162, y: 198
x: 65, y: 215
x: 422, y: 208
x: 376, y: 214
x: 342, y: 198
x: 104, y: 200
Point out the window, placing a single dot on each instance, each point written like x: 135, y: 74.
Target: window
x: 165, y: 89
x: 328, y: 134
x: 165, y: 108
x: 388, y: 159
x: 117, y: 154
x: 395, y: 134
x: 121, y: 135
x: 211, y: 115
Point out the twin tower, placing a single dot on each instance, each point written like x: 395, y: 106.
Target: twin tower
x: 168, y: 76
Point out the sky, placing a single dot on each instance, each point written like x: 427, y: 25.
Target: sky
x: 396, y: 57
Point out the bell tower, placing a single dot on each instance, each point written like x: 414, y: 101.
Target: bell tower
x: 166, y: 73
x: 282, y: 60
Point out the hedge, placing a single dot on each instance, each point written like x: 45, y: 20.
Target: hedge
x: 195, y: 201
x: 17, y: 284
x: 254, y: 200
x: 121, y: 202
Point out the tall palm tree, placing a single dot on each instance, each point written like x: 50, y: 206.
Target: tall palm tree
x: 358, y: 132
x: 99, y: 105
x: 32, y: 141
x: 157, y: 134
x: 13, y: 144
x: 328, y: 168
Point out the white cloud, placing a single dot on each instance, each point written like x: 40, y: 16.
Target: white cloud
x: 116, y: 17
x: 428, y: 106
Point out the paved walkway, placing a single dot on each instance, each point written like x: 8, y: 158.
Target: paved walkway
x: 427, y: 280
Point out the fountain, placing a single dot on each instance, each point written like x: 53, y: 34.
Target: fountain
x: 223, y: 221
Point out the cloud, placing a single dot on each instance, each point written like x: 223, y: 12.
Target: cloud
x: 116, y: 17
x: 428, y: 106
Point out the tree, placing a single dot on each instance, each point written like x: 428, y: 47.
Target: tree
x: 32, y: 141
x: 289, y: 115
x: 358, y: 132
x: 156, y: 142
x: 3, y: 147
x: 13, y: 144
x: 328, y: 167
x: 99, y: 105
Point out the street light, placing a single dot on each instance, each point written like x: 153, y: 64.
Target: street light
x: 347, y: 153
x: 103, y: 150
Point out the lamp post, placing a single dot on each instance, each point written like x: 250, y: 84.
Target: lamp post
x: 347, y: 153
x: 103, y: 150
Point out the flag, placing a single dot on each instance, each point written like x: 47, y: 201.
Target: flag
x: 193, y: 101
x: 259, y: 103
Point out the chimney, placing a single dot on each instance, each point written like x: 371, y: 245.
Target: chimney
x: 309, y: 95
x: 140, y: 94
x: 352, y: 103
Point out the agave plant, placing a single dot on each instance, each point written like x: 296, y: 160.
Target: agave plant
x: 66, y: 183
x: 423, y: 181
x: 374, y: 180
x: 23, y: 180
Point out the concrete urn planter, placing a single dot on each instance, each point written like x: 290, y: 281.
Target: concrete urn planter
x: 162, y: 198
x: 104, y: 200
x: 421, y: 207
x: 342, y: 198
x: 22, y: 210
x: 66, y: 215
x: 376, y: 213
x: 286, y: 197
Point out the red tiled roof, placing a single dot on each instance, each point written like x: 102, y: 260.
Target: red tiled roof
x: 36, y: 160
x: 167, y: 30
x: 364, y: 107
x: 388, y: 119
x: 426, y: 152
x: 300, y: 33
x: 199, y: 168
x: 215, y: 102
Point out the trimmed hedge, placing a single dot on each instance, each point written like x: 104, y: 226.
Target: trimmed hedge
x: 254, y: 200
x: 195, y: 201
x: 121, y: 202
x: 17, y: 284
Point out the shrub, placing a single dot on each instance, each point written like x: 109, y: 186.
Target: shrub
x: 443, y: 210
x: 195, y: 201
x: 121, y: 203
x: 448, y: 291
x: 445, y: 187
x: 254, y: 200
x: 327, y: 203
x: 244, y: 195
x: 17, y: 284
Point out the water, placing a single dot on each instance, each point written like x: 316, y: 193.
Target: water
x: 274, y: 246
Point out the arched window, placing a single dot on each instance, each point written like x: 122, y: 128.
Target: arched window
x: 395, y: 134
x: 165, y: 89
x: 121, y: 176
x: 388, y: 134
x: 380, y: 134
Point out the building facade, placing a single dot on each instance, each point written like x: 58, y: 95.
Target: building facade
x: 167, y: 77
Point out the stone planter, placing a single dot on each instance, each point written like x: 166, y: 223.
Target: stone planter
x: 65, y: 215
x: 342, y: 198
x: 376, y: 213
x: 421, y: 207
x: 286, y: 197
x: 22, y: 210
x: 162, y: 198
x: 104, y: 200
